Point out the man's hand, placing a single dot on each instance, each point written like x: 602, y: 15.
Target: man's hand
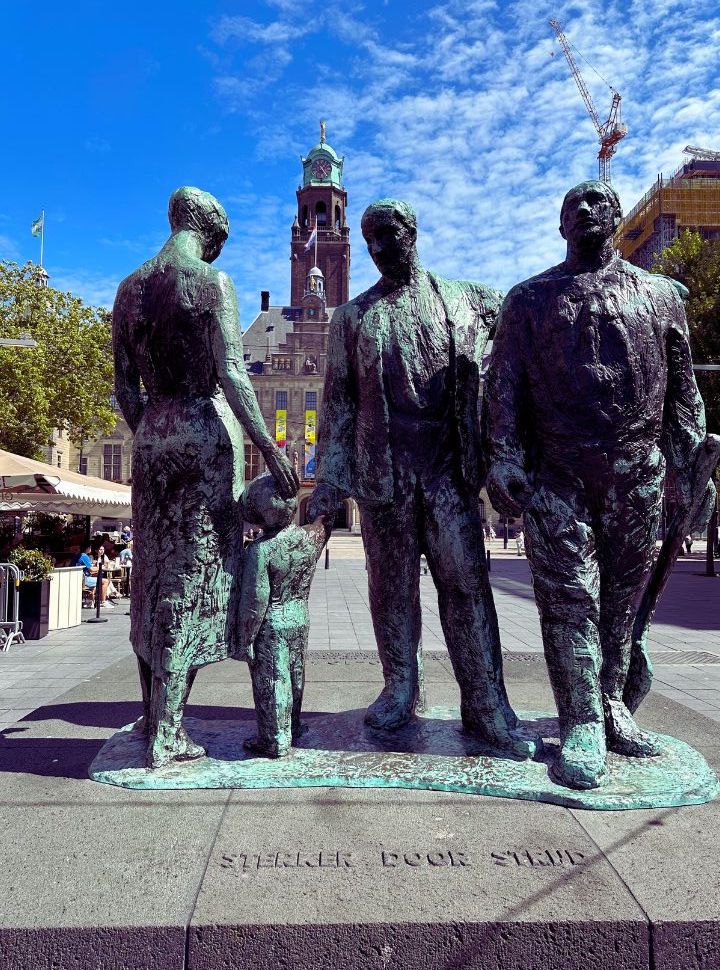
x: 323, y: 501
x: 705, y: 511
x: 282, y: 471
x: 509, y: 488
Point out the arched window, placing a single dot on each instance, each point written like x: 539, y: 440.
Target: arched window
x: 305, y: 216
x: 321, y: 213
x: 337, y: 216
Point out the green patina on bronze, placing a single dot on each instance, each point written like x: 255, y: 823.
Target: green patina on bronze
x: 399, y: 432
x: 430, y: 752
x: 182, y: 386
x: 274, y: 622
x: 590, y: 398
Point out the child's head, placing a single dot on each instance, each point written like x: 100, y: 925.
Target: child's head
x: 263, y: 505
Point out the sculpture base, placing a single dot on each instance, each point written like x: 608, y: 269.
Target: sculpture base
x: 431, y: 752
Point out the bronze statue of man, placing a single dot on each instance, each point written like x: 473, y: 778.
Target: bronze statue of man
x: 590, y: 395
x: 399, y: 431
x: 181, y: 383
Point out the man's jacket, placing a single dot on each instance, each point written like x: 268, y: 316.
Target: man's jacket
x: 354, y: 431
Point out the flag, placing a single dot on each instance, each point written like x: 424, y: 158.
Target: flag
x: 38, y: 225
x: 311, y: 240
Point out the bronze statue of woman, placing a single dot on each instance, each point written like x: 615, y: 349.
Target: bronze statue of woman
x: 181, y: 384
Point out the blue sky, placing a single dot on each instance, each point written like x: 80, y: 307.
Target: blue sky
x: 458, y: 107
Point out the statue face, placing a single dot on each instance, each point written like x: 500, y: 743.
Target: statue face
x: 390, y: 243
x: 212, y: 246
x: 589, y: 216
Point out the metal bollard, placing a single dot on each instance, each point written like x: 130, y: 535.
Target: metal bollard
x: 327, y: 557
x: 487, y: 553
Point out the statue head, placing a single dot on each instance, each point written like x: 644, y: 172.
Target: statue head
x: 590, y: 214
x: 263, y: 505
x: 193, y: 210
x: 389, y: 228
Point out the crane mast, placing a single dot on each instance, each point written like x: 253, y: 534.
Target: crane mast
x: 609, y: 132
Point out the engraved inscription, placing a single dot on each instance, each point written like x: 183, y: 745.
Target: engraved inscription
x: 550, y: 858
x: 336, y: 859
x: 427, y: 859
x: 416, y: 859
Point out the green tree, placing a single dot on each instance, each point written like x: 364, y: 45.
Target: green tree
x: 695, y: 262
x: 67, y: 380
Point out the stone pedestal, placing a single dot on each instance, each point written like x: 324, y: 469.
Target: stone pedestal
x: 96, y: 875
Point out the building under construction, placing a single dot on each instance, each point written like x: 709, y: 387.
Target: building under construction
x: 690, y: 199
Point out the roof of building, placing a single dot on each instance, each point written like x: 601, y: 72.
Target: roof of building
x: 321, y: 148
x: 280, y: 319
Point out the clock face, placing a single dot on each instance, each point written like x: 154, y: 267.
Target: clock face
x: 321, y: 168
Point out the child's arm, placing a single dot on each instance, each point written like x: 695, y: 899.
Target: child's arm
x: 254, y: 600
x: 319, y: 531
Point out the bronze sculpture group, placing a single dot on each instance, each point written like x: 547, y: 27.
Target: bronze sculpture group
x: 589, y: 399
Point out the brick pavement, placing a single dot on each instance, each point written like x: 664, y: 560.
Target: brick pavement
x: 688, y: 619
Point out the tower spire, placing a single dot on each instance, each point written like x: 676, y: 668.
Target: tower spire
x: 323, y: 131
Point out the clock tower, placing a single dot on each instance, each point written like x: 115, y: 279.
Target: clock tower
x: 321, y: 202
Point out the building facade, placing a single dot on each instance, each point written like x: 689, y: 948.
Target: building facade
x: 689, y: 199
x: 286, y: 346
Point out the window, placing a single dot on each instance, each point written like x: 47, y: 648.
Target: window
x: 321, y: 214
x: 112, y: 462
x: 281, y: 400
x: 305, y: 216
x: 253, y: 461
x: 311, y: 400
x: 82, y: 468
x: 59, y: 459
x: 337, y: 216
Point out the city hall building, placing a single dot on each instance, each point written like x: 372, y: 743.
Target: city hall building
x: 286, y: 346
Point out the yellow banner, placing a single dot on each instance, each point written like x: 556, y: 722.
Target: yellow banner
x: 281, y: 429
x: 310, y: 427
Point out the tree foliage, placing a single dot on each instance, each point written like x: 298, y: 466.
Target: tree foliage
x: 695, y: 262
x: 66, y: 381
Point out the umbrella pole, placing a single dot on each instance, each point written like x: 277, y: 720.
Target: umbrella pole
x: 98, y: 593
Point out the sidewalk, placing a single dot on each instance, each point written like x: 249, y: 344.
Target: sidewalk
x: 685, y: 638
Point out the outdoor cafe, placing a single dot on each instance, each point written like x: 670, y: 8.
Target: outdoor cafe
x: 55, y: 512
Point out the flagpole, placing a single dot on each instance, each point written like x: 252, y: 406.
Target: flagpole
x: 42, y: 236
x: 316, y: 238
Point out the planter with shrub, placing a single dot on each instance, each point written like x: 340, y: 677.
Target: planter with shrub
x: 34, y: 591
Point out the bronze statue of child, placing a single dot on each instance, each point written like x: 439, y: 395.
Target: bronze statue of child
x: 273, y: 624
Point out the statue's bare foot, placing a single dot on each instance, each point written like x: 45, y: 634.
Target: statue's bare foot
x: 393, y: 708
x: 266, y: 749
x: 581, y: 762
x: 624, y: 736
x: 498, y: 734
x: 173, y: 746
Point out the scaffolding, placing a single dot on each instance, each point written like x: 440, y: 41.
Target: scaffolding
x: 690, y: 199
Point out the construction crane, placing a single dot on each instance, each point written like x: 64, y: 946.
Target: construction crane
x: 704, y: 154
x: 613, y: 130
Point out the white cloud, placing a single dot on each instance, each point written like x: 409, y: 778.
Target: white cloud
x: 9, y: 249
x: 96, y: 289
x: 465, y: 114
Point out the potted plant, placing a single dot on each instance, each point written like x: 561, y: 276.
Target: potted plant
x: 34, y: 590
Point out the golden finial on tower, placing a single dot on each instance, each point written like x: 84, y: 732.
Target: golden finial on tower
x: 323, y: 128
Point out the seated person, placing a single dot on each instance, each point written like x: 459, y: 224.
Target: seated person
x: 90, y: 571
x: 126, y: 555
x: 273, y: 623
